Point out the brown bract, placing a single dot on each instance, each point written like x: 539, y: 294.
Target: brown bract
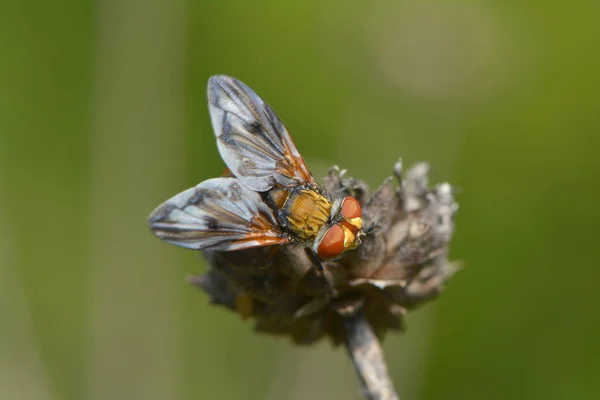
x: 400, y: 264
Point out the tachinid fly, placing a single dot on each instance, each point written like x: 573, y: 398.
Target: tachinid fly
x: 271, y: 197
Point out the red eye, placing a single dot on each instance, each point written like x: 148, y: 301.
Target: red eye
x: 332, y: 244
x: 351, y: 208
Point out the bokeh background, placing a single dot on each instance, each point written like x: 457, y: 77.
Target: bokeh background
x: 103, y: 116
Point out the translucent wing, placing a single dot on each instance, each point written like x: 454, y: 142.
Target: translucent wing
x: 252, y: 139
x: 218, y: 214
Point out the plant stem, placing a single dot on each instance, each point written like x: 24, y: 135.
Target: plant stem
x: 368, y: 360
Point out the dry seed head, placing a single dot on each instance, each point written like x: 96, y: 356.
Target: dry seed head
x: 401, y: 263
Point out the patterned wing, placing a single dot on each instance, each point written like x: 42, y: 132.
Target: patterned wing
x: 252, y: 139
x: 218, y: 214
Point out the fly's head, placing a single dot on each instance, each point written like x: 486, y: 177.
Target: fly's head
x: 345, y: 231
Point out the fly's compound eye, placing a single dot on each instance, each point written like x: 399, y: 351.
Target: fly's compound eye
x: 332, y: 244
x: 351, y: 208
x: 352, y: 213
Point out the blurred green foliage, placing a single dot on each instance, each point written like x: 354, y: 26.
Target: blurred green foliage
x: 103, y: 116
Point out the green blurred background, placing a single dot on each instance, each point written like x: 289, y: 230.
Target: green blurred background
x: 103, y: 116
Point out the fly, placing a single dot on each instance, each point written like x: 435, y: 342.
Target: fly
x: 270, y: 197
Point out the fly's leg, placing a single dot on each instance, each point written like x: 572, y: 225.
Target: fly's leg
x: 266, y: 261
x: 319, y: 266
x: 315, y: 260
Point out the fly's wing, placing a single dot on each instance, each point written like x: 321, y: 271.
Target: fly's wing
x: 218, y: 214
x: 252, y: 139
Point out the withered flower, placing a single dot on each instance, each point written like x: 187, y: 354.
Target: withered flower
x: 298, y: 262
x: 401, y: 263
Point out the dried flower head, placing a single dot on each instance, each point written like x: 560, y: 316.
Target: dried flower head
x: 400, y: 264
